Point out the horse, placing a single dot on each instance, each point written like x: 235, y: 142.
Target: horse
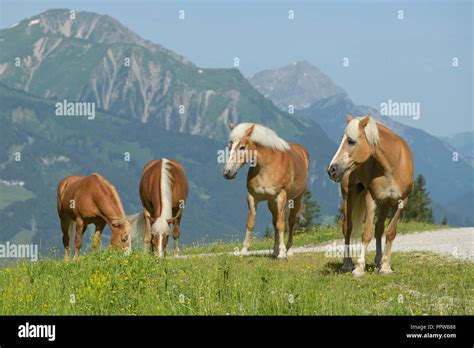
x: 84, y: 200
x: 375, y: 169
x: 163, y: 192
x: 278, y: 173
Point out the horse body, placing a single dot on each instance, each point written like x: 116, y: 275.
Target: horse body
x: 84, y: 200
x: 163, y: 192
x: 375, y: 168
x: 278, y: 175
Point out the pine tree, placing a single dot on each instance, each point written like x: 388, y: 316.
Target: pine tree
x: 418, y: 207
x: 311, y: 210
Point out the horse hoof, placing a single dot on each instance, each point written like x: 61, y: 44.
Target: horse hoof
x: 244, y: 252
x: 347, y: 267
x: 385, y: 271
x: 357, y: 273
x: 290, y: 253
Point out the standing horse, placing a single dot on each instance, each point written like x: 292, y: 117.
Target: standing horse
x: 375, y: 168
x: 84, y: 200
x: 163, y: 192
x: 278, y: 173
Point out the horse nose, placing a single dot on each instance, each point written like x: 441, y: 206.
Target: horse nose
x: 331, y: 170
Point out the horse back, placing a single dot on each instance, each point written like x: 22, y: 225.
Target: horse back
x: 150, y: 190
x: 93, y: 197
x: 303, y: 153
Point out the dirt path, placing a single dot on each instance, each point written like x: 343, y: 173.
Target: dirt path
x: 454, y: 242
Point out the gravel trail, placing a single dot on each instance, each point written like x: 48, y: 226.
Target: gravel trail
x: 454, y: 242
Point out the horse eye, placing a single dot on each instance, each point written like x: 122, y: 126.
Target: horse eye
x: 350, y: 141
x: 242, y: 148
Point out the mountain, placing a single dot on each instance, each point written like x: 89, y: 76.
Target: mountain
x: 126, y: 75
x: 463, y: 143
x: 299, y: 84
x: 138, y: 110
x: 448, y: 181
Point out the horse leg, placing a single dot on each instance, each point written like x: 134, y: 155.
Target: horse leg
x: 379, y: 228
x: 366, y: 235
x: 278, y: 207
x: 347, y: 265
x: 252, y: 204
x: 80, y: 229
x: 99, y: 227
x: 65, y: 229
x: 292, y: 223
x: 147, y: 237
x: 176, y: 234
x: 389, y: 237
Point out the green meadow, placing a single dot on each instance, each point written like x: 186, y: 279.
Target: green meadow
x: 110, y: 283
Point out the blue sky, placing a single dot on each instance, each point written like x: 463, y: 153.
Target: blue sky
x: 407, y: 60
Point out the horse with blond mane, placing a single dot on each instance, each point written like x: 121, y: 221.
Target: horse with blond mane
x: 84, y: 200
x: 375, y: 169
x: 278, y: 173
x: 163, y: 192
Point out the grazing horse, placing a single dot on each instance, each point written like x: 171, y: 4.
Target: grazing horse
x: 277, y: 174
x: 84, y: 200
x: 375, y: 169
x: 163, y: 192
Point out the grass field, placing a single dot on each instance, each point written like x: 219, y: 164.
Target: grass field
x: 110, y: 283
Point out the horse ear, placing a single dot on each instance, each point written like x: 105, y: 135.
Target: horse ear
x: 349, y: 118
x: 249, y: 131
x: 364, y: 121
x: 231, y: 125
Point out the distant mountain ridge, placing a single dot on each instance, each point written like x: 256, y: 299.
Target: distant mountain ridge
x: 299, y: 84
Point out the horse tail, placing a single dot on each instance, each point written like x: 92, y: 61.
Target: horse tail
x: 136, y: 227
x: 161, y: 226
x: 359, y: 211
x: 71, y: 231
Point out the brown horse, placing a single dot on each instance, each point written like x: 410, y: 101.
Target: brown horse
x: 163, y: 191
x: 84, y: 200
x: 375, y: 168
x: 278, y: 173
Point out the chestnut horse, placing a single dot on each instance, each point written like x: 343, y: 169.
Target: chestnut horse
x: 278, y: 173
x: 84, y: 200
x: 375, y: 168
x: 163, y: 192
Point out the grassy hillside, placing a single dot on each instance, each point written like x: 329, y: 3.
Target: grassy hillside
x: 110, y: 283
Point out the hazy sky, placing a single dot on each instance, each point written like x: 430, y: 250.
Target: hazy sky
x: 408, y: 60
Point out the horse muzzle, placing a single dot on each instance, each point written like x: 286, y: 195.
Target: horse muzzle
x: 335, y: 172
x: 229, y: 175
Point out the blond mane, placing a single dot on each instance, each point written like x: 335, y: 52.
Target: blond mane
x: 261, y: 135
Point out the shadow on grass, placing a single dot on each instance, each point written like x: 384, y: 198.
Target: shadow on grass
x: 335, y: 267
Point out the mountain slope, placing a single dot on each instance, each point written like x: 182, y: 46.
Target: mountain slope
x: 52, y: 147
x: 126, y: 75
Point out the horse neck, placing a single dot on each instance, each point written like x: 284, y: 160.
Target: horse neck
x: 385, y: 149
x: 267, y: 158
